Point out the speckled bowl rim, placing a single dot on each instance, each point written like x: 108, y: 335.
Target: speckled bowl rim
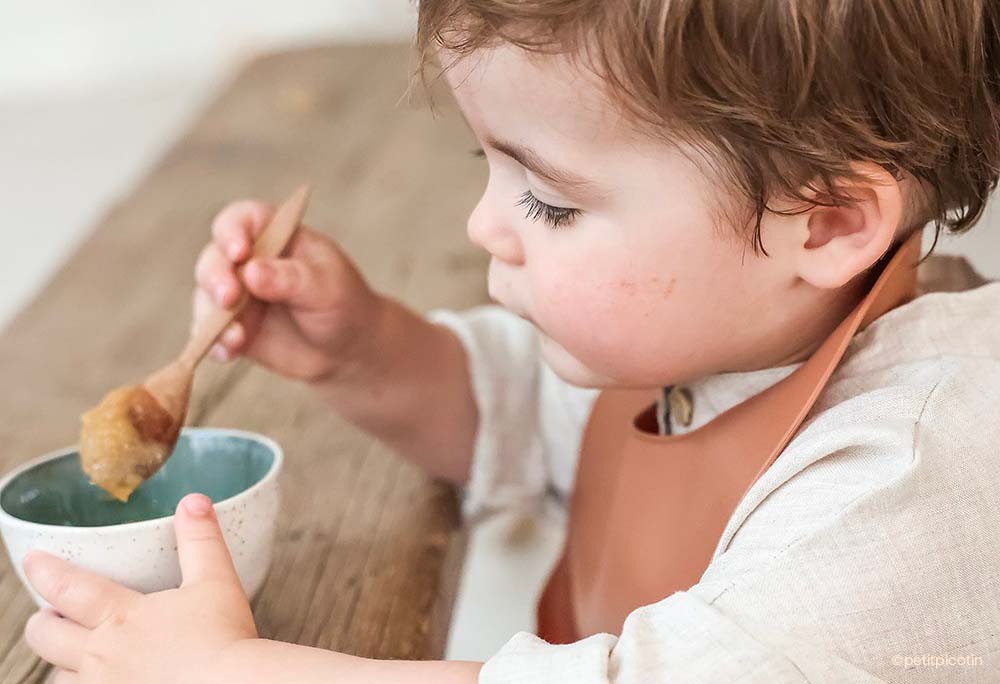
x: 12, y: 521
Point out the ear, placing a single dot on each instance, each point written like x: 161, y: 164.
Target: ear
x: 845, y: 240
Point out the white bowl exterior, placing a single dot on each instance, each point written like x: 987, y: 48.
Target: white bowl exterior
x: 143, y: 555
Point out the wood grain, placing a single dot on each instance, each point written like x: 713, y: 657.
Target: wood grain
x: 368, y: 547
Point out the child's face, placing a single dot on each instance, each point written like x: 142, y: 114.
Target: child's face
x: 639, y: 285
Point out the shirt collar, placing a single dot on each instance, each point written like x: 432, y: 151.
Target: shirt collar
x: 715, y: 394
x: 933, y: 324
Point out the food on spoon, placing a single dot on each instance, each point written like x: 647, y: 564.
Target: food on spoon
x: 130, y: 434
x: 125, y: 439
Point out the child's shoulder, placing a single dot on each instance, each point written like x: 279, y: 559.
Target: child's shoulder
x: 917, y: 433
x: 934, y: 332
x: 928, y: 369
x: 958, y: 422
x: 913, y: 404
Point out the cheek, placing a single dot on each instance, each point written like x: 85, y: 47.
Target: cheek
x: 641, y: 317
x: 602, y: 310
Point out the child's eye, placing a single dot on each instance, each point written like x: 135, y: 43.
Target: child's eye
x: 537, y: 209
x: 554, y: 216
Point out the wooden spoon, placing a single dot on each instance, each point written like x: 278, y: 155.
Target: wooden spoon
x: 133, y: 431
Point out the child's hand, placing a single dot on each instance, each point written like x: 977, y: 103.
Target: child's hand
x: 309, y: 310
x: 104, y: 633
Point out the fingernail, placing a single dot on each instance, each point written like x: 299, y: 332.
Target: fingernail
x: 31, y: 560
x: 219, y: 353
x: 233, y: 335
x: 220, y: 293
x: 198, y: 505
x: 235, y: 250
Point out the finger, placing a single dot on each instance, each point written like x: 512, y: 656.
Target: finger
x: 285, y: 281
x: 295, y: 282
x: 238, y: 335
x: 219, y: 353
x: 80, y: 595
x: 202, y: 550
x: 233, y: 336
x: 215, y: 274
x: 270, y: 349
x: 56, y: 639
x: 235, y: 227
x: 313, y: 248
x: 250, y: 319
x: 227, y: 347
x: 64, y: 677
x: 308, y: 243
x: 202, y: 306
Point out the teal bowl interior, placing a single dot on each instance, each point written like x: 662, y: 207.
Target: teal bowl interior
x: 56, y: 492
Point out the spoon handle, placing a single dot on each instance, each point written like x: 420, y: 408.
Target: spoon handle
x: 270, y: 243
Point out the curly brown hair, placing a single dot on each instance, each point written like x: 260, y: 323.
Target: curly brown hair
x: 782, y: 95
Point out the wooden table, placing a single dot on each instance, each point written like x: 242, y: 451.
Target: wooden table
x: 367, y: 552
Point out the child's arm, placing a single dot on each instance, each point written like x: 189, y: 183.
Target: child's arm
x: 270, y: 662
x: 312, y: 317
x: 411, y: 389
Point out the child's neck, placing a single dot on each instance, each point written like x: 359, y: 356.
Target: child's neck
x: 803, y: 334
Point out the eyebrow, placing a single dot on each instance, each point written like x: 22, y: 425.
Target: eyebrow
x: 541, y: 168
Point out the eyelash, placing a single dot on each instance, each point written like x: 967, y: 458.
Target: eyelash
x: 556, y: 217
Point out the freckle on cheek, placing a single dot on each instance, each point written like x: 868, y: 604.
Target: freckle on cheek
x: 670, y: 287
x: 626, y: 286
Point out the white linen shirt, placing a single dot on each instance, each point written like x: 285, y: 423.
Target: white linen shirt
x: 867, y: 552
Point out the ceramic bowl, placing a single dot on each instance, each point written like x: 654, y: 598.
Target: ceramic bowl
x: 49, y: 504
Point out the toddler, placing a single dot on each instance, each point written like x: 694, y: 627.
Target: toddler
x: 692, y: 205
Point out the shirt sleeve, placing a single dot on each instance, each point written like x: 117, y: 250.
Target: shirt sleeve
x: 884, y: 575
x: 530, y: 420
x: 682, y: 639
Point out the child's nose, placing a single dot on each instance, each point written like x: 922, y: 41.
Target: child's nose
x: 491, y: 232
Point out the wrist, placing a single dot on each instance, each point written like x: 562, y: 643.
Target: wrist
x: 360, y: 359
x: 234, y: 661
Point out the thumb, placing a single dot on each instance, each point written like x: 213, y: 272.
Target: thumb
x: 203, y: 554
x: 287, y: 281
